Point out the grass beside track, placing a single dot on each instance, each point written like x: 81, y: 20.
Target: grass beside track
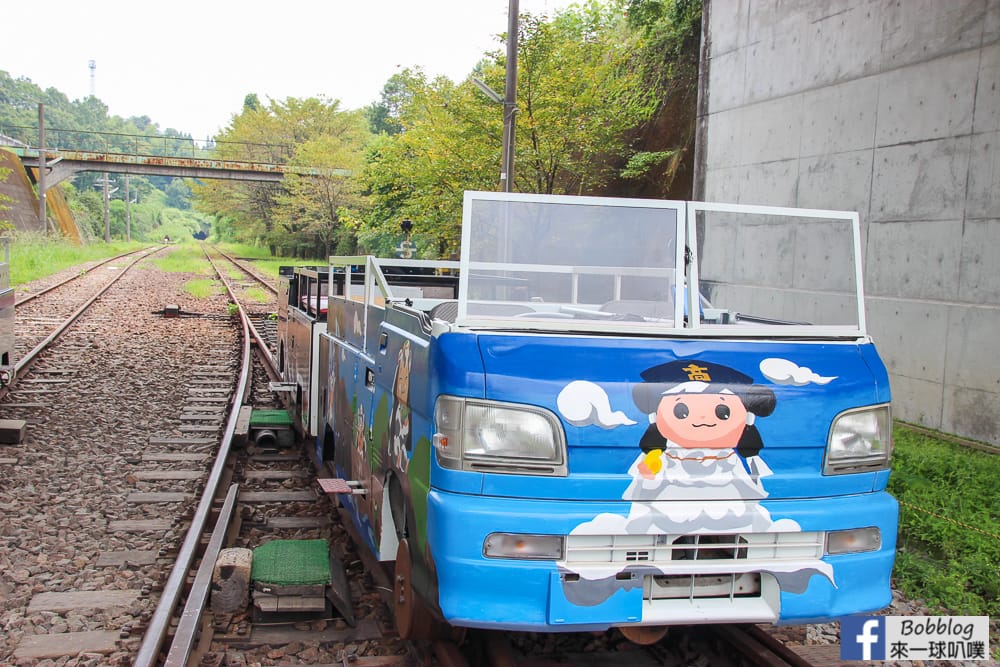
x: 185, y: 258
x: 201, y: 288
x: 33, y: 256
x: 190, y: 258
x: 949, y: 538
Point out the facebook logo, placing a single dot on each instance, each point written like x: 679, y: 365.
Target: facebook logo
x: 862, y: 638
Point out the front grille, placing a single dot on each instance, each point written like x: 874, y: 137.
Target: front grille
x: 673, y: 550
x: 702, y: 586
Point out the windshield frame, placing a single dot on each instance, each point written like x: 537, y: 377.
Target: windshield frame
x: 684, y: 272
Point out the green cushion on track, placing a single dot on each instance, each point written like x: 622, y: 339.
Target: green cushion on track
x: 270, y: 418
x: 291, y: 563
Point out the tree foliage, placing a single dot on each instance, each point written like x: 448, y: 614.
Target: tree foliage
x: 302, y: 214
x: 447, y: 144
x: 580, y: 95
x: 589, y: 82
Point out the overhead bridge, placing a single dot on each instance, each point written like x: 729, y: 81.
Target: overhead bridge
x: 65, y: 153
x: 62, y: 164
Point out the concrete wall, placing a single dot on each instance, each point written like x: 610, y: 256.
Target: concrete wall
x: 890, y: 108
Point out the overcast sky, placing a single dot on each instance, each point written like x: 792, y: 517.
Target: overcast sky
x: 188, y: 64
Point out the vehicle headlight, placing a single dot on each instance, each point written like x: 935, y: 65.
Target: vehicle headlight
x: 854, y: 540
x: 860, y: 441
x: 489, y: 436
x: 524, y: 547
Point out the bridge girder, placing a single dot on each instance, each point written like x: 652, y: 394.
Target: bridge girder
x: 65, y: 169
x: 62, y: 165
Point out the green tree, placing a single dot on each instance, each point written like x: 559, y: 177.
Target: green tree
x: 578, y: 95
x: 178, y: 194
x: 384, y: 115
x: 447, y: 145
x: 88, y: 210
x: 301, y: 211
x: 315, y: 206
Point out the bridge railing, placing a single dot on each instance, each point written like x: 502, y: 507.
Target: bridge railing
x: 141, y: 145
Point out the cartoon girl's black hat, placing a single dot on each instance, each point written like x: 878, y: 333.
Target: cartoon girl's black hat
x: 696, y: 376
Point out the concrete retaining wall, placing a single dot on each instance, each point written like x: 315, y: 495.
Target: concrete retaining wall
x: 890, y: 108
x: 21, y: 205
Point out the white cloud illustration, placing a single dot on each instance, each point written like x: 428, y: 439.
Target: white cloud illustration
x: 783, y: 371
x: 584, y: 403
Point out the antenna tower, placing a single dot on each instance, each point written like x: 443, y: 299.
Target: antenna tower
x: 92, y: 64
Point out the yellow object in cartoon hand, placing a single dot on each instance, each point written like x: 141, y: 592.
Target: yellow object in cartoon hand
x: 651, y: 464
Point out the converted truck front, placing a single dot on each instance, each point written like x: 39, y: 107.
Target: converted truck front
x: 648, y: 413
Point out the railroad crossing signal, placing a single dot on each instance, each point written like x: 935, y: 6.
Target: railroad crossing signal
x: 405, y: 249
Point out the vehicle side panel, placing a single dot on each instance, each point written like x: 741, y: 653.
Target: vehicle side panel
x: 383, y: 416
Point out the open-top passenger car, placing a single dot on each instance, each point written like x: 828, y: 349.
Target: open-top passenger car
x: 614, y: 412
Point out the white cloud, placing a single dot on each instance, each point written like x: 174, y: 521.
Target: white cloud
x: 584, y: 403
x: 783, y: 371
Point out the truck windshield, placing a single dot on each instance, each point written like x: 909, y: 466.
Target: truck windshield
x: 632, y: 265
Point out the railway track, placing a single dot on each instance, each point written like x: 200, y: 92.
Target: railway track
x: 279, y: 500
x: 250, y: 270
x: 98, y: 492
x: 28, y: 293
x: 257, y: 295
x: 722, y: 646
x: 42, y: 314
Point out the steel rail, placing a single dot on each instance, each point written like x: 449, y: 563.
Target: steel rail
x: 248, y: 269
x: 186, y: 632
x: 759, y: 647
x: 258, y: 339
x: 34, y: 295
x: 156, y: 632
x: 187, y: 628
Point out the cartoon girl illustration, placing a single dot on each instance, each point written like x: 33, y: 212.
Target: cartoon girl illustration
x: 400, y: 438
x: 701, y: 442
x: 701, y: 445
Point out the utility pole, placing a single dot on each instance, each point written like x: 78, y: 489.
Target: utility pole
x: 510, y: 99
x: 42, y: 167
x: 128, y: 212
x: 107, y: 211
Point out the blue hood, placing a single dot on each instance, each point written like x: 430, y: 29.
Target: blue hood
x: 605, y: 390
